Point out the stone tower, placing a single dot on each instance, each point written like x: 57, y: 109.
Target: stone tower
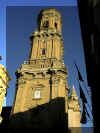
x: 74, y: 113
x: 41, y: 81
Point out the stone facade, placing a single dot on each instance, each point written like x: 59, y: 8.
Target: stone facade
x: 4, y: 80
x: 45, y: 72
x: 42, y: 78
x: 74, y: 113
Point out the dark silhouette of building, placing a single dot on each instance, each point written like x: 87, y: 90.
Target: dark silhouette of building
x: 89, y: 13
x: 5, y: 115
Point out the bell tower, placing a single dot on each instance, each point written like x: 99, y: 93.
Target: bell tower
x: 47, y: 40
x: 51, y: 21
x: 42, y: 78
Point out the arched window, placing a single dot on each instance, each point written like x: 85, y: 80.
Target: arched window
x: 43, y: 51
x: 37, y: 94
x: 56, y: 25
x: 46, y: 24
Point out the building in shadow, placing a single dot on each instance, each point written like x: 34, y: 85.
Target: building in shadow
x: 89, y: 13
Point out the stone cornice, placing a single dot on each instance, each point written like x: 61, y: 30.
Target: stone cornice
x: 46, y: 34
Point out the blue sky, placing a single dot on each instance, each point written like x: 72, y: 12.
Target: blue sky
x: 21, y: 22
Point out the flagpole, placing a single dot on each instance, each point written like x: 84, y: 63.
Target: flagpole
x: 83, y: 116
x: 80, y: 85
x: 90, y: 99
x: 87, y: 90
x: 80, y: 75
x: 88, y: 114
x: 87, y: 101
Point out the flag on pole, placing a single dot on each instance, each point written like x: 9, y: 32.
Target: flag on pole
x: 84, y: 118
x: 84, y: 101
x: 87, y: 113
x: 82, y: 95
x: 79, y: 74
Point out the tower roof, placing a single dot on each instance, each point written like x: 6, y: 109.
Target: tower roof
x: 47, y: 11
x: 50, y: 10
x: 73, y: 92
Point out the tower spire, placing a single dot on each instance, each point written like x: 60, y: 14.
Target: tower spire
x: 73, y: 94
x: 47, y: 39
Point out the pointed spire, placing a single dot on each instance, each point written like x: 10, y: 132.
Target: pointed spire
x: 73, y: 92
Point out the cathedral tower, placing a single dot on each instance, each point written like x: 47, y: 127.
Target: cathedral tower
x: 42, y: 78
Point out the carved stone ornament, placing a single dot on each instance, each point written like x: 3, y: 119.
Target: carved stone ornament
x: 2, y: 92
x: 38, y: 86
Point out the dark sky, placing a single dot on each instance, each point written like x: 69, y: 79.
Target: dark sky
x: 22, y: 21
